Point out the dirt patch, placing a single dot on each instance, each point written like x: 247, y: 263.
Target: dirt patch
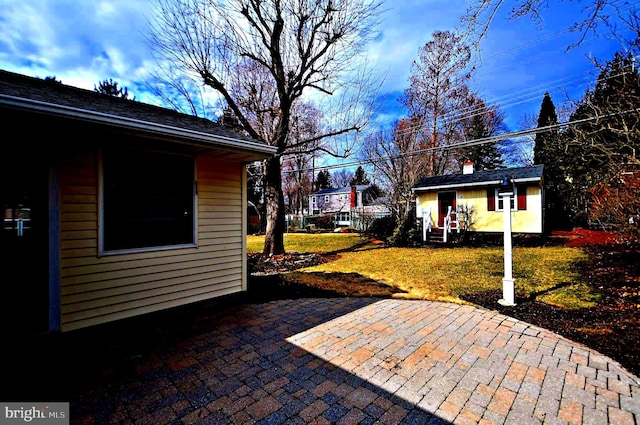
x: 261, y: 265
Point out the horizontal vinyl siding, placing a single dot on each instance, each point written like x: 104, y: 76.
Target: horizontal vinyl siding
x: 525, y: 221
x: 100, y: 289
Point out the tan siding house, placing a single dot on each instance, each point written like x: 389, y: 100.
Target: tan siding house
x: 128, y: 208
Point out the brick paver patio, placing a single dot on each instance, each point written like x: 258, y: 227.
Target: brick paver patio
x: 359, y: 361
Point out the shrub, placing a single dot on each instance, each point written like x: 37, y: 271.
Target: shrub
x: 382, y: 228
x: 407, y: 232
x: 324, y: 222
x: 253, y: 229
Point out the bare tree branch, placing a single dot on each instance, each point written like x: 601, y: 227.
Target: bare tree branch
x: 265, y: 58
x: 597, y: 17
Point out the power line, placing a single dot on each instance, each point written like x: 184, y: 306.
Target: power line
x: 512, y: 99
x: 494, y: 104
x: 490, y: 107
x: 492, y: 139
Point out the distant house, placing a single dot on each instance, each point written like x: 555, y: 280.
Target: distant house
x: 353, y: 206
x: 253, y: 213
x: 471, y: 201
x: 114, y: 208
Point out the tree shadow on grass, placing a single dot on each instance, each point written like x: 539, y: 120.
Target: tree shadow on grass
x: 316, y: 284
x: 365, y: 245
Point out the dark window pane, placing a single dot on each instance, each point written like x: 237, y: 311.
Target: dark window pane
x: 148, y: 200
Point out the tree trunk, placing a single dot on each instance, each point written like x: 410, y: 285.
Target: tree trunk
x: 274, y: 200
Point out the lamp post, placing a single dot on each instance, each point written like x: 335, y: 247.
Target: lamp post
x: 506, y: 191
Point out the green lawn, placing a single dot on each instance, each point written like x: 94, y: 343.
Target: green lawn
x: 305, y: 242
x: 444, y: 273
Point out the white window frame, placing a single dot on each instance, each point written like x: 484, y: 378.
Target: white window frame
x: 513, y: 200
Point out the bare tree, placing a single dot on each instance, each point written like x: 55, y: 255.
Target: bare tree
x: 598, y: 16
x: 182, y: 91
x: 297, y: 181
x: 398, y: 160
x: 438, y: 92
x: 265, y: 57
x: 343, y: 177
x: 520, y: 151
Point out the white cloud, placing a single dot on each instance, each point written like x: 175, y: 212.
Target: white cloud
x: 406, y: 26
x: 80, y: 42
x: 84, y: 42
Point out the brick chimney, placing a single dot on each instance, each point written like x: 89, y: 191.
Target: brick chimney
x: 467, y: 168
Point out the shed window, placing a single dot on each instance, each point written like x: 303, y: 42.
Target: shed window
x: 518, y: 200
x: 500, y: 201
x: 148, y: 200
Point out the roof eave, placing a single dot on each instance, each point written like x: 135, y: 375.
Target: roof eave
x: 473, y: 184
x: 186, y: 136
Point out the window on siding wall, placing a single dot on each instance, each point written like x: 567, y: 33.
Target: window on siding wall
x: 518, y: 200
x: 148, y: 200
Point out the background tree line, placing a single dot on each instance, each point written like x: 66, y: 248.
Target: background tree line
x: 592, y: 169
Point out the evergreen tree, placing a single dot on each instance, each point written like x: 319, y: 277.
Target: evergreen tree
x: 610, y: 139
x: 601, y: 153
x: 324, y: 180
x: 485, y: 156
x: 110, y: 87
x: 229, y: 119
x: 545, y: 140
x: 52, y: 79
x: 548, y: 151
x: 360, y: 178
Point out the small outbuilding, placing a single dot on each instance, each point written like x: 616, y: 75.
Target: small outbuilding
x: 471, y: 201
x: 114, y: 208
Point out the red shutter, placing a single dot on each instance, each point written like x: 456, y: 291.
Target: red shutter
x: 491, y: 199
x: 522, y: 197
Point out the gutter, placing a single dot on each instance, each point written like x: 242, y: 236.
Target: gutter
x: 474, y: 184
x: 193, y: 136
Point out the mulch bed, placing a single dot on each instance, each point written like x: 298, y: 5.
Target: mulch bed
x: 613, y: 270
x: 261, y: 265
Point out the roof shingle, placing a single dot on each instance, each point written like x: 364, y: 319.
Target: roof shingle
x: 531, y: 173
x: 14, y: 85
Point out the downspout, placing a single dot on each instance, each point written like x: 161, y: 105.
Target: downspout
x: 243, y: 190
x: 54, y: 251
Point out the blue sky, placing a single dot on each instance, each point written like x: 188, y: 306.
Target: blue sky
x: 83, y: 42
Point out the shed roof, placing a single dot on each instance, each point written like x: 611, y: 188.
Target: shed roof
x: 49, y: 97
x: 480, y: 178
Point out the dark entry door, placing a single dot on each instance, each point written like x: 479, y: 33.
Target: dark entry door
x: 445, y: 200
x: 24, y: 293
